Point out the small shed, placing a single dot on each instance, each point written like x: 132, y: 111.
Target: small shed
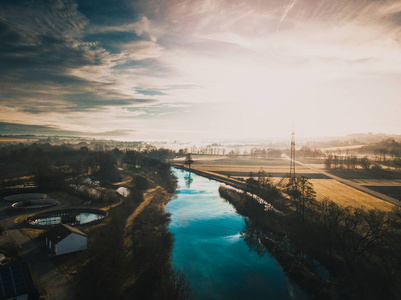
x: 63, y: 239
x: 16, y: 282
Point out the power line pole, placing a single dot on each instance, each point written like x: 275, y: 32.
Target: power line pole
x: 292, y: 157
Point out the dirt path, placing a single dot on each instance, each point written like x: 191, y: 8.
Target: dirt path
x: 147, y: 198
x: 355, y: 185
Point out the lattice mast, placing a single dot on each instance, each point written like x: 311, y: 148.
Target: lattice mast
x: 292, y: 157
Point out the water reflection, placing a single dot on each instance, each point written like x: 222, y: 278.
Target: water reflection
x: 218, y: 249
x: 188, y: 180
x: 70, y: 219
x: 252, y: 235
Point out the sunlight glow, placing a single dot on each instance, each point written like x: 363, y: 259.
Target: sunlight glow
x: 225, y: 68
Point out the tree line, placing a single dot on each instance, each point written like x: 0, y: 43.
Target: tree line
x: 63, y: 168
x: 360, y: 248
x: 133, y: 262
x: 387, y: 152
x: 350, y: 162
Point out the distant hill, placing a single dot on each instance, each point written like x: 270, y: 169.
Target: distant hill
x: 351, y: 140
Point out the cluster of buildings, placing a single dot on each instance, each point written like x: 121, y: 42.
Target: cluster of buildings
x: 15, y: 278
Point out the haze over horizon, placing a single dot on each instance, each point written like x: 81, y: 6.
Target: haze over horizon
x: 152, y: 69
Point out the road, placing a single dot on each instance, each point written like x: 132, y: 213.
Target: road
x: 355, y: 185
x: 55, y: 283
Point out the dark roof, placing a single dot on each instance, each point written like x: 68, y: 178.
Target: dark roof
x: 61, y: 231
x: 15, y: 280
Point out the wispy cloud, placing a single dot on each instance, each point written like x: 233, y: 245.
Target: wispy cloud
x: 20, y: 129
x: 90, y: 66
x: 142, y: 27
x: 285, y: 13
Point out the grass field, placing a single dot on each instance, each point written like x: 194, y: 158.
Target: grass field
x: 378, y: 182
x: 347, y: 196
x: 241, y: 167
x: 324, y: 186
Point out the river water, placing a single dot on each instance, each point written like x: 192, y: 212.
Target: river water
x: 213, y: 247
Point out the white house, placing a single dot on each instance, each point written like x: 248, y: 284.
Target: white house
x: 63, y: 239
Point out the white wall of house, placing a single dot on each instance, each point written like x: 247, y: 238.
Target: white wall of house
x: 73, y: 242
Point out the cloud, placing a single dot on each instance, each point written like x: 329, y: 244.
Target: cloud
x: 29, y: 129
x: 150, y: 92
x: 39, y: 45
x: 139, y: 50
x: 285, y: 13
x: 142, y: 27
x: 47, y: 66
x: 95, y: 66
x: 13, y: 128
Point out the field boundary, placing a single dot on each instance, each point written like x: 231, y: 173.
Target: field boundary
x: 355, y: 185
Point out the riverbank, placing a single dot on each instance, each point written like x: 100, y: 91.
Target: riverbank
x: 302, y: 276
x: 220, y: 178
x: 214, y: 245
x: 356, y: 247
x: 130, y: 251
x: 268, y: 221
x: 239, y: 168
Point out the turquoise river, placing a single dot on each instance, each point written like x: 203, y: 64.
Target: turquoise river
x: 211, y: 247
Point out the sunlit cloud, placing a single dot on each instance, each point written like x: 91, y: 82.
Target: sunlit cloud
x: 164, y: 69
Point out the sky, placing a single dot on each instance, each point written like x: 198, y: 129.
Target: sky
x: 200, y: 69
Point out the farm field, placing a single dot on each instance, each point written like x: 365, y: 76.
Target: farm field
x: 277, y: 168
x: 377, y: 182
x: 347, y: 196
x: 244, y: 170
x: 241, y: 167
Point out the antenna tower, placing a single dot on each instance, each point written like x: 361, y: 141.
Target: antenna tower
x: 292, y: 158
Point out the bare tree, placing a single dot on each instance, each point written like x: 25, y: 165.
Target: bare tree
x: 328, y: 162
x: 188, y: 160
x: 365, y: 163
x: 302, y: 192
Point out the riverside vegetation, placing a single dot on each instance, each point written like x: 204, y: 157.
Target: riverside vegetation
x: 359, y: 248
x: 117, y: 269
x: 121, y: 262
x: 125, y: 262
